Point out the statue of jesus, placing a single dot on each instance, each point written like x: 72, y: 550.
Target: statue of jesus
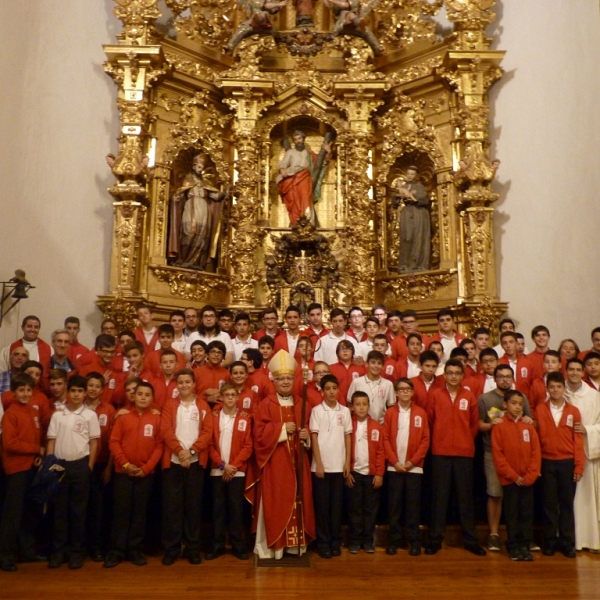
x: 301, y: 173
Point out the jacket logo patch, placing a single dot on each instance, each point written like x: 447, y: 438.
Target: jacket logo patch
x: 255, y: 389
x: 354, y: 375
x: 246, y: 403
x: 463, y: 404
x: 569, y: 420
x: 524, y: 372
x: 175, y: 393
x: 526, y: 435
x: 194, y: 415
x: 79, y: 426
x: 242, y: 425
x: 36, y: 421
x: 389, y: 370
x: 112, y: 384
x: 148, y: 430
x: 418, y: 421
x: 375, y: 435
x: 102, y: 420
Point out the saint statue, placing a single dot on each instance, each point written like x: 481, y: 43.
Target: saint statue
x: 351, y: 18
x: 257, y: 19
x: 301, y: 174
x: 415, y: 224
x: 195, y: 217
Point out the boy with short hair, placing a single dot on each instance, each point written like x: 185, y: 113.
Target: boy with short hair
x: 177, y: 321
x: 409, y: 366
x: 390, y: 366
x: 136, y: 446
x: 327, y: 350
x: 520, y: 364
x: 212, y: 375
x: 242, y: 339
x: 517, y: 458
x: 166, y: 335
x: 446, y: 334
x: 406, y: 442
x: 345, y: 370
x: 541, y: 338
x: 316, y: 328
x: 591, y: 363
x: 226, y: 322
x: 21, y: 453
x: 288, y: 340
x: 424, y: 381
x: 266, y: 344
x: 563, y: 461
x: 371, y: 329
x: 230, y: 448
x: 380, y: 391
x: 331, y: 430
x: 481, y: 338
x: 367, y: 467
x: 73, y: 437
x: 539, y: 393
x: 57, y: 388
x: 258, y: 380
x: 198, y: 350
x: 165, y: 384
x: 147, y: 332
x: 473, y: 367
x: 247, y: 398
x: 134, y: 353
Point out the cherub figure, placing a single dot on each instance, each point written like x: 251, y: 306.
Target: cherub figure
x: 351, y: 19
x: 258, y: 21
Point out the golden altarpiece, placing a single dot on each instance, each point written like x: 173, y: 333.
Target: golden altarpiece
x: 230, y: 81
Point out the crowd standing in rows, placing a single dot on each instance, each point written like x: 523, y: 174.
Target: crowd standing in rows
x: 98, y: 435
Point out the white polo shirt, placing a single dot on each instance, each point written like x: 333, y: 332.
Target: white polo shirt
x: 73, y: 431
x: 239, y: 346
x: 326, y: 351
x: 187, y: 428
x: 402, y: 439
x: 381, y: 395
x: 361, y: 448
x: 331, y: 425
x: 226, y: 425
x: 220, y: 337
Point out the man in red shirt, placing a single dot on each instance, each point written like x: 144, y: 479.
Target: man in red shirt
x: 269, y: 319
x: 520, y: 364
x: 76, y: 350
x: 211, y: 376
x: 37, y: 348
x: 316, y: 328
x: 541, y: 337
x: 357, y: 324
x: 288, y: 339
x: 447, y: 334
x: 147, y: 333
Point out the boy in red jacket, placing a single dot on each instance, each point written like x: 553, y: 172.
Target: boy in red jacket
x: 186, y: 430
x: 563, y: 459
x: 367, y: 467
x: 454, y: 418
x: 230, y: 448
x: 21, y: 452
x: 517, y: 457
x: 136, y: 446
x: 406, y: 441
x: 212, y: 375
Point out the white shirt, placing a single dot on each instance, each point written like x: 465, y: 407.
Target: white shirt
x: 187, y: 428
x: 490, y: 384
x: 329, y: 343
x: 363, y: 349
x: 221, y: 337
x: 239, y: 346
x: 556, y: 411
x: 413, y: 369
x: 1, y: 416
x: 292, y: 342
x: 226, y: 425
x: 380, y: 392
x: 180, y: 344
x: 73, y: 431
x: 449, y: 343
x: 331, y: 425
x: 361, y: 448
x: 402, y: 439
x: 31, y: 347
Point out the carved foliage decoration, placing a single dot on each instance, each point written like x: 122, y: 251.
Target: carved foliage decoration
x: 410, y: 289
x: 122, y: 311
x: 486, y: 314
x: 189, y: 285
x: 475, y: 13
x: 138, y: 17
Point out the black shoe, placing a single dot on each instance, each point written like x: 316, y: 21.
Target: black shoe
x: 96, y: 556
x: 326, y: 553
x: 475, y: 549
x: 526, y: 554
x: 515, y: 554
x: 433, y: 548
x: 194, y: 558
x: 338, y: 551
x: 8, y: 565
x: 415, y: 550
x: 241, y: 555
x: 55, y: 561
x: 168, y: 560
x: 137, y: 558
x: 215, y: 553
x: 391, y: 550
x: 112, y: 560
x: 354, y: 548
x: 549, y: 551
x: 369, y: 548
x: 75, y: 562
x: 569, y: 552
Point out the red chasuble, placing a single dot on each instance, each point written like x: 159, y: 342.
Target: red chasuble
x: 296, y: 192
x: 277, y: 487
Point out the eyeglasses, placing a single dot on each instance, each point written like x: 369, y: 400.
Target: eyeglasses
x: 284, y: 379
x: 320, y: 372
x: 504, y: 377
x: 404, y: 390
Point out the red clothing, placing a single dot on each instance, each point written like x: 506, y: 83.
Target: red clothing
x: 145, y: 374
x: 363, y: 336
x: 375, y: 445
x: 76, y: 352
x: 210, y: 377
x: 169, y: 427
x: 39, y: 401
x: 277, y: 463
x: 140, y: 337
x: 136, y: 439
x: 311, y: 333
x: 116, y: 364
x: 562, y: 442
x: 398, y: 345
x: 436, y: 337
x: 536, y: 358
x: 537, y: 394
x: 474, y: 383
x: 524, y: 374
x: 241, y: 441
x: 163, y: 390
x: 296, y: 192
x: 113, y: 391
x: 516, y: 451
x: 281, y: 343
x: 21, y: 435
x: 262, y: 332
x: 390, y: 370
x: 299, y: 376
x: 152, y: 361
x: 106, y: 418
x: 346, y: 375
x: 260, y: 383
x: 454, y: 424
x: 421, y: 392
x: 418, y: 435
x: 247, y: 400
x: 44, y: 352
x: 402, y: 366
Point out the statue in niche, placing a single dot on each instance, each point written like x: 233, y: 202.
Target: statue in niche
x: 257, y: 19
x: 195, y: 217
x: 301, y: 174
x: 415, y: 223
x: 351, y: 18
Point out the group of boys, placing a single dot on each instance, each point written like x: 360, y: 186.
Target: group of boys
x: 385, y: 408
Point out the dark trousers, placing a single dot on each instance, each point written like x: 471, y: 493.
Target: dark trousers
x: 558, y: 494
x: 17, y: 515
x: 328, y: 497
x: 445, y: 471
x: 182, y: 507
x: 517, y: 503
x: 70, y: 507
x: 99, y: 510
x: 130, y: 507
x: 364, y: 504
x: 228, y: 509
x: 404, y: 493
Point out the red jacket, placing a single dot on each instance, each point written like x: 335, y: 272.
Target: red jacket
x: 537, y: 395
x: 524, y: 374
x: 152, y: 361
x: 163, y: 391
x: 474, y: 383
x: 281, y: 343
x: 169, y: 426
x: 375, y: 445
x: 562, y: 442
x: 536, y: 359
x: 209, y: 377
x: 516, y: 451
x: 363, y: 337
x: 21, y: 435
x: 241, y: 441
x: 454, y: 424
x: 113, y: 391
x: 402, y: 367
x: 148, y: 347
x: 390, y: 370
x: 421, y: 392
x: 76, y: 352
x: 346, y: 375
x: 310, y: 332
x: 136, y: 439
x: 436, y: 337
x: 398, y: 345
x: 260, y: 383
x: 247, y: 400
x: 44, y: 352
x: 106, y: 419
x: 418, y: 435
x: 262, y: 332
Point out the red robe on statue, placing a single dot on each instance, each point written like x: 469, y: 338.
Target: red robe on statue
x: 277, y: 486
x: 296, y: 191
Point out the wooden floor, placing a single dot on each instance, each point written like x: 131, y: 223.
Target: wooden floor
x: 452, y: 574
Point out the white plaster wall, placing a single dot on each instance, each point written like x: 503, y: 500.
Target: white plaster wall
x: 57, y: 121
x: 546, y: 131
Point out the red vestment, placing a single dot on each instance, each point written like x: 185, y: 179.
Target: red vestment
x: 296, y: 192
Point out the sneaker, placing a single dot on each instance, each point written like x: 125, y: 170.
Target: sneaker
x: 515, y: 554
x: 112, y: 560
x: 137, y: 558
x: 370, y: 548
x: 75, y: 562
x: 391, y: 550
x: 533, y: 547
x: 526, y: 554
x: 354, y: 548
x: 415, y: 550
x: 55, y: 561
x: 493, y: 543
